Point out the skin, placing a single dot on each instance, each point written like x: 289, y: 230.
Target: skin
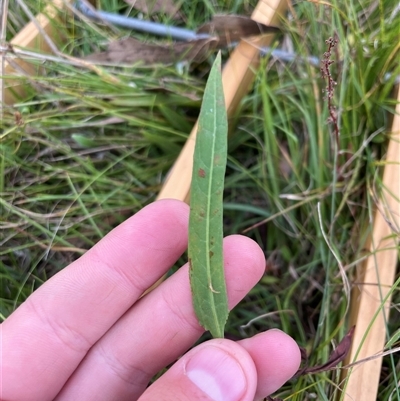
x: 87, y: 334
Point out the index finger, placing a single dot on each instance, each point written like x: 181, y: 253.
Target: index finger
x: 46, y: 338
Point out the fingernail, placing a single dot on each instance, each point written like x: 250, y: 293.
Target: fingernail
x: 217, y: 374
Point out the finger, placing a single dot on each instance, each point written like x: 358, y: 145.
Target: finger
x: 206, y: 373
x: 276, y: 357
x: 45, y: 339
x: 158, y: 329
x: 219, y: 370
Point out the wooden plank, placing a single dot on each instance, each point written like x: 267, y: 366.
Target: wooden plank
x: 237, y: 77
x: 30, y: 38
x: 376, y: 277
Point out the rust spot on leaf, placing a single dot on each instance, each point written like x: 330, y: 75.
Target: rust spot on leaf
x: 201, y: 173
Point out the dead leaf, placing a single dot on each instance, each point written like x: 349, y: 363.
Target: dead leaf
x: 130, y: 51
x: 232, y: 28
x: 337, y: 356
x: 223, y: 29
x: 303, y: 354
x: 150, y: 7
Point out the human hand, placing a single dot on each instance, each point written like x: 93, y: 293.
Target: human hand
x: 87, y: 335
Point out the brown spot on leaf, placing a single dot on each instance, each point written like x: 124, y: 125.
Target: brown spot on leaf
x: 201, y: 173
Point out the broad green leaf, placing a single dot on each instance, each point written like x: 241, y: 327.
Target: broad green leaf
x: 205, y: 222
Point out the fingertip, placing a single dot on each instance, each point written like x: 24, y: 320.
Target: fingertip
x: 277, y: 358
x: 247, y: 250
x: 170, y: 202
x: 218, y: 370
x: 244, y: 266
x: 172, y: 208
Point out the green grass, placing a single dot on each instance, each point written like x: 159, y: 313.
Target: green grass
x: 95, y: 147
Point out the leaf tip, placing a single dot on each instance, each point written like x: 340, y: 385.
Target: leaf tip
x: 218, y: 59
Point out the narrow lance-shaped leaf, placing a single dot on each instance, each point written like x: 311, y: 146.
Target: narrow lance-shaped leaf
x: 205, y: 223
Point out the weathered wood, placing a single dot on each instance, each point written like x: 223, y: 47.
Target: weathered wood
x: 31, y: 38
x: 375, y: 279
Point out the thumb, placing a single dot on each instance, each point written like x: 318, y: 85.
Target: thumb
x: 218, y: 370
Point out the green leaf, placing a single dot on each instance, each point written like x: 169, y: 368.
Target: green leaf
x: 206, y: 209
x: 83, y: 140
x: 395, y: 337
